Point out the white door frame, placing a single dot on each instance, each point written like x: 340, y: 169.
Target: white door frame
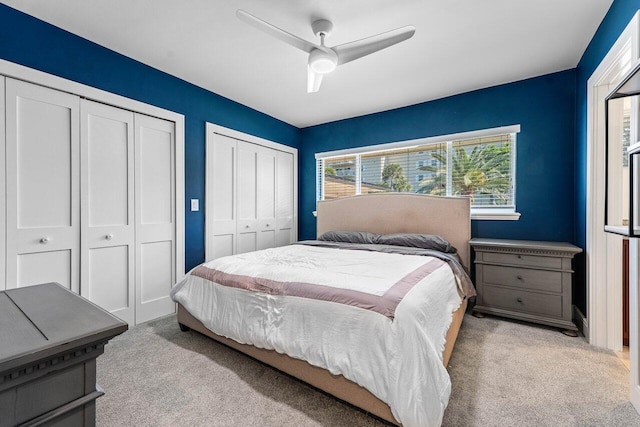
x: 604, y: 288
x: 3, y: 194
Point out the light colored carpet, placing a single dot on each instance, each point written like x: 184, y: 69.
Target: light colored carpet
x: 503, y: 374
x: 507, y: 373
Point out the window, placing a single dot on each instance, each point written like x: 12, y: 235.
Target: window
x: 339, y: 178
x: 480, y: 165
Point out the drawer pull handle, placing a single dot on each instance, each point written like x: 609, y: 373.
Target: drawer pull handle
x: 519, y: 300
x: 519, y: 278
x: 109, y: 236
x: 44, y: 240
x: 519, y: 256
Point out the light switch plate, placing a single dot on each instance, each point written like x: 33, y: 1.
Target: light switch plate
x: 195, y: 205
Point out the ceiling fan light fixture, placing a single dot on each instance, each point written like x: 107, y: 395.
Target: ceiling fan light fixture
x: 322, y: 62
x: 323, y: 59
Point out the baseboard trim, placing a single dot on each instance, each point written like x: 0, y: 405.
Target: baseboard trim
x: 581, y: 322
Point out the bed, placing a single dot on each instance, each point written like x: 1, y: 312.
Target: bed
x: 382, y: 214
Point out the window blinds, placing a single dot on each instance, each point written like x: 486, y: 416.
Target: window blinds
x: 480, y: 168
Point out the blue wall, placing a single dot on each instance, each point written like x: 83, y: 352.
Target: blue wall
x: 543, y: 106
x: 551, y: 156
x: 612, y: 25
x: 36, y: 44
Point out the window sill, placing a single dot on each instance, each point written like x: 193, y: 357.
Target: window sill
x: 484, y: 215
x: 487, y: 214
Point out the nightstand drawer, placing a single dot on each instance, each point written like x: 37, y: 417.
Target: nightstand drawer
x: 522, y: 301
x: 542, y: 280
x: 523, y: 260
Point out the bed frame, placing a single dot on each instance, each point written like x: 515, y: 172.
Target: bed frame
x: 385, y: 213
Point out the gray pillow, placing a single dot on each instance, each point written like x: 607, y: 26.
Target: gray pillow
x: 350, y: 237
x: 423, y: 241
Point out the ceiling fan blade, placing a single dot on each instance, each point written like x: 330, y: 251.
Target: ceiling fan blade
x: 349, y: 51
x: 276, y: 32
x: 313, y: 80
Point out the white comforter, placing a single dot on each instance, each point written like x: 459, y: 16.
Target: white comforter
x: 399, y: 361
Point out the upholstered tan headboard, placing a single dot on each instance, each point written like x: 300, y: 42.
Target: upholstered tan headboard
x: 385, y: 213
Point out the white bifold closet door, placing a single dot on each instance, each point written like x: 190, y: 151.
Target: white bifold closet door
x: 266, y: 198
x: 246, y: 196
x: 221, y: 197
x: 285, y: 210
x: 108, y: 223
x: 43, y: 186
x: 128, y: 215
x: 250, y: 200
x: 155, y: 213
x: 256, y: 197
x: 90, y: 199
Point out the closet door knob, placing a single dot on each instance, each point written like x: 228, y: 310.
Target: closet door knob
x: 44, y: 240
x: 109, y: 236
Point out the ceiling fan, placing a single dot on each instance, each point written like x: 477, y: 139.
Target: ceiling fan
x: 323, y: 59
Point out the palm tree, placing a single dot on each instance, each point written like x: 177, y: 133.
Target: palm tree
x: 328, y: 170
x: 482, y: 171
x: 393, y: 177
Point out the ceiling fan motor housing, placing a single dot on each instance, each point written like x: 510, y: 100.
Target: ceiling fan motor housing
x: 321, y: 27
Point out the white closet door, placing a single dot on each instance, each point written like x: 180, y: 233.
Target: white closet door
x: 107, y: 273
x: 155, y: 216
x: 250, y: 200
x: 220, y: 207
x: 266, y: 196
x: 3, y: 196
x: 285, y: 208
x: 42, y: 157
x: 247, y: 197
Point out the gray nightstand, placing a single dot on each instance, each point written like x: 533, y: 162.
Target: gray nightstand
x: 525, y: 280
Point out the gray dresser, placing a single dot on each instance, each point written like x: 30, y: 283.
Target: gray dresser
x: 49, y: 341
x: 525, y: 280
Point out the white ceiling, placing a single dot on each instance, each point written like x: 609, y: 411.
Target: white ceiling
x: 459, y: 46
